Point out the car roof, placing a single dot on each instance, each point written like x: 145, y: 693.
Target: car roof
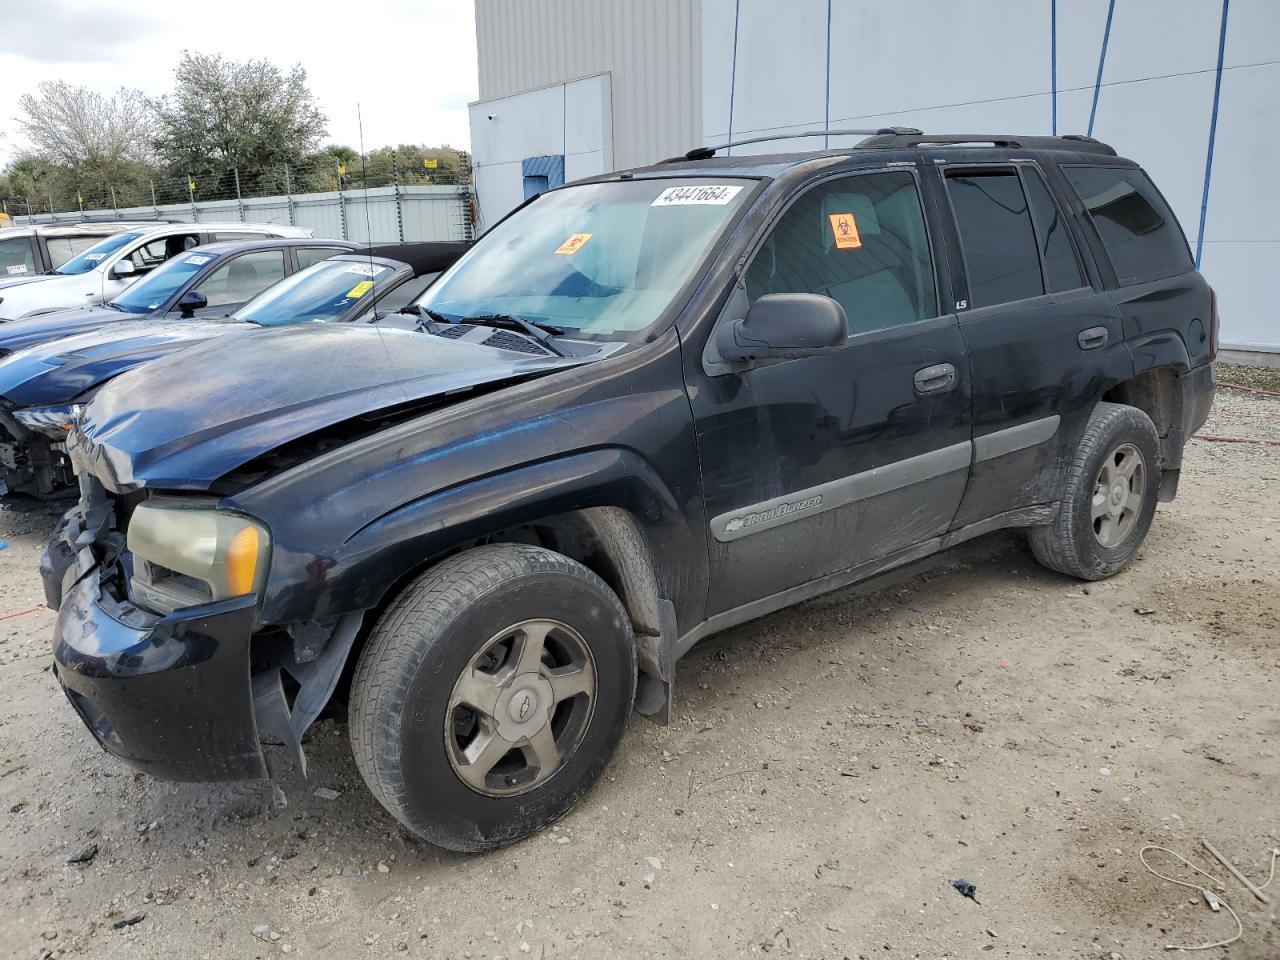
x: 422, y: 257
x: 88, y: 228
x: 224, y: 247
x: 203, y: 226
x: 888, y: 146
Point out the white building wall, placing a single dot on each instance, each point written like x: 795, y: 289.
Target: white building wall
x: 647, y: 50
x: 985, y: 66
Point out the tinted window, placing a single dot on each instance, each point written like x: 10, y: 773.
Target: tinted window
x: 1136, y: 225
x: 155, y: 289
x: 1061, y: 269
x: 309, y: 255
x: 17, y: 259
x: 407, y: 291
x: 995, y: 231
x: 152, y: 254
x: 243, y: 277
x: 859, y: 240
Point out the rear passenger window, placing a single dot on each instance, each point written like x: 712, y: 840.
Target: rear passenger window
x: 997, y: 238
x: 243, y: 278
x: 62, y: 249
x: 860, y: 240
x: 1061, y: 268
x: 309, y: 255
x: 1136, y: 225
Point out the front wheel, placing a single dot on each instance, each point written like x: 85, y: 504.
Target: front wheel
x: 1110, y: 497
x: 491, y: 695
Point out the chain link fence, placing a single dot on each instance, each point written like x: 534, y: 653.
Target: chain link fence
x: 312, y: 175
x: 379, y: 198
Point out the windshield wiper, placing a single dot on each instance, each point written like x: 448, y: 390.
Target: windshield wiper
x: 544, y: 333
x: 428, y: 319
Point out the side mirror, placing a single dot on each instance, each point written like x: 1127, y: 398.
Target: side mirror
x: 123, y: 268
x: 784, y: 326
x: 190, y: 302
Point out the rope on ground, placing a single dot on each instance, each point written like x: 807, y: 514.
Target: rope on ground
x: 1210, y: 897
x: 1256, y: 390
x: 1219, y: 438
x: 22, y: 613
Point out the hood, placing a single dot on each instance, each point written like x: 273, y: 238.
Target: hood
x: 48, y: 291
x: 60, y: 370
x: 19, y: 334
x: 184, y: 421
x: 21, y: 279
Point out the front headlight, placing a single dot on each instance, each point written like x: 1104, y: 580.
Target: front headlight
x: 191, y: 554
x: 51, y: 421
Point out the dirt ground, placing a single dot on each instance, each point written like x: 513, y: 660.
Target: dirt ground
x: 831, y: 770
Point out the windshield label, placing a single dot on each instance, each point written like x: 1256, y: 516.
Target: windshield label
x: 845, y: 230
x: 16, y: 269
x: 362, y: 270
x: 714, y: 194
x: 571, y: 246
x: 93, y: 257
x: 360, y: 289
x: 197, y: 260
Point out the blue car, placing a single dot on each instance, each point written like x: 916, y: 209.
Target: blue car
x: 210, y: 280
x: 41, y: 384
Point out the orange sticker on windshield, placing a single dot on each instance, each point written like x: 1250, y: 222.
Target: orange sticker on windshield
x: 845, y: 229
x: 573, y: 244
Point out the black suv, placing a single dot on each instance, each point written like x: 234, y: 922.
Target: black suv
x: 642, y: 409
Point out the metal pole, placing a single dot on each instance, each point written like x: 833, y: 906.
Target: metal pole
x: 239, y: 202
x: 155, y: 206
x: 191, y: 192
x: 114, y: 205
x: 342, y: 214
x: 395, y: 180
x: 288, y: 194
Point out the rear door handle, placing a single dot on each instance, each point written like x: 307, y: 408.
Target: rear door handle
x: 1093, y: 338
x: 938, y: 378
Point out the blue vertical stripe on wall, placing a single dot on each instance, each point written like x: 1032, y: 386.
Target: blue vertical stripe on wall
x: 1213, y: 133
x: 826, y: 116
x: 733, y: 71
x: 1102, y: 60
x: 1053, y: 58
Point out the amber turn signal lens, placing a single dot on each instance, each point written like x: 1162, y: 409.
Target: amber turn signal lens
x: 242, y: 561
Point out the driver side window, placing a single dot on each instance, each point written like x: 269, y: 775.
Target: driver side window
x: 860, y: 240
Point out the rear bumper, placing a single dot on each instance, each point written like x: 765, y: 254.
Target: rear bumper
x: 169, y: 695
x: 1195, y: 396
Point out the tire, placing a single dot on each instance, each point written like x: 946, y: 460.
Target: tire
x: 1073, y: 543
x: 413, y: 726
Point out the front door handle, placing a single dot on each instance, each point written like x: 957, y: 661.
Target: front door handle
x: 938, y: 378
x: 1093, y: 338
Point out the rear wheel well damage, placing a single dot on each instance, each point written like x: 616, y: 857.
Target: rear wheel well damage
x: 1156, y: 393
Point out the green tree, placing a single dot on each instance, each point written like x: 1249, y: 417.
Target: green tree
x: 225, y: 114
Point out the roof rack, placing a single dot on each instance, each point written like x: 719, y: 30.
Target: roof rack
x: 914, y: 138
x: 906, y: 137
x: 706, y: 153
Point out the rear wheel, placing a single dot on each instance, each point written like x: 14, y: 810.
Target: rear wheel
x: 492, y: 694
x: 1109, y: 499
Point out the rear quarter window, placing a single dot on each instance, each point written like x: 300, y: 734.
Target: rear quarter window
x: 1139, y: 231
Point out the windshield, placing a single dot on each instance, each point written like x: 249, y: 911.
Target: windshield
x: 323, y: 291
x: 96, y: 254
x: 155, y: 289
x: 597, y: 260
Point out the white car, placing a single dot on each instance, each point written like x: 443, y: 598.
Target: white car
x: 105, y: 269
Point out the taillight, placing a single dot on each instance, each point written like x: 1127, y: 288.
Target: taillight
x: 1213, y: 324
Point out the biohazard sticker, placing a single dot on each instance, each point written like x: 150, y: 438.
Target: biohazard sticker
x: 571, y: 246
x: 714, y: 194
x: 845, y: 230
x: 360, y: 289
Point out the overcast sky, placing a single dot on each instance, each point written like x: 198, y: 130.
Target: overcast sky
x: 410, y: 64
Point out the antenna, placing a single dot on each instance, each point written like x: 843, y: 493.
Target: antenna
x: 368, y: 228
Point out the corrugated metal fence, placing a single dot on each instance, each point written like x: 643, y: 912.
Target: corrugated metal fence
x: 377, y: 215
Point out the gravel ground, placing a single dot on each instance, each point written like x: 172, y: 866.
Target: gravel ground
x: 831, y: 769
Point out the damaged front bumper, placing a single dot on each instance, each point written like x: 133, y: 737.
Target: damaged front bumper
x: 192, y: 695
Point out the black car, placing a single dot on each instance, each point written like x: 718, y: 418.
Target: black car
x: 41, y: 384
x: 644, y: 408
